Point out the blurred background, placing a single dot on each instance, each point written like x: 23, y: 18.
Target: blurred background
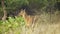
x: 48, y: 20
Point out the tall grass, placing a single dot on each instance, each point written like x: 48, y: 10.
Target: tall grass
x: 46, y: 24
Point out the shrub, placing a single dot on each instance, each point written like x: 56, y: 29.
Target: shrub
x: 11, y: 23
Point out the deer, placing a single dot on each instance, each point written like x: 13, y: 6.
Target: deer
x: 29, y: 20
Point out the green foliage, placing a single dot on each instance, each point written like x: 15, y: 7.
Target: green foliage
x: 11, y: 23
x: 39, y: 4
x: 15, y: 3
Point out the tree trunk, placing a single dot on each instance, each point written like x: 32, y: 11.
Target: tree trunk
x: 4, y: 11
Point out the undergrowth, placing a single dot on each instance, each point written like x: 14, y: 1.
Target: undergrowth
x: 46, y: 24
x: 11, y: 24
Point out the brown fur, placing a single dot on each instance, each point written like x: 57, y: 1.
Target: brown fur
x: 29, y: 20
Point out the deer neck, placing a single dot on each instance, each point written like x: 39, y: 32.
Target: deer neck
x: 25, y: 16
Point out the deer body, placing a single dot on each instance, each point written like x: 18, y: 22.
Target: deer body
x: 28, y: 18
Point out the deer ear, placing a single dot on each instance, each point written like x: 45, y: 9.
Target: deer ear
x: 21, y: 9
x: 24, y: 10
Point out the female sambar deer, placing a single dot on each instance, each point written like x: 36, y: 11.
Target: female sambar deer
x: 29, y: 20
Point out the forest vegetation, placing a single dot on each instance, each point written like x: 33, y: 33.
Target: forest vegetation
x: 29, y: 16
